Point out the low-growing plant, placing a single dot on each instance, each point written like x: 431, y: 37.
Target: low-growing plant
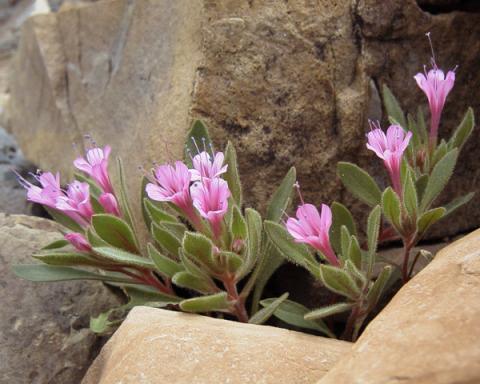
x: 207, y: 253
x: 328, y: 245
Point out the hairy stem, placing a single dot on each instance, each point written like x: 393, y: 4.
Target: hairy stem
x: 239, y: 307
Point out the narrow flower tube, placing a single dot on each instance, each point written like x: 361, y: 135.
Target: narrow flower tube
x: 390, y: 149
x: 210, y: 198
x: 172, y: 184
x: 76, y: 202
x: 311, y: 227
x: 95, y: 164
x: 78, y: 241
x: 436, y: 86
x: 109, y: 203
x: 207, y: 168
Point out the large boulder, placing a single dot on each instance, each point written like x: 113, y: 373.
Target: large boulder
x: 290, y: 83
x: 429, y: 332
x: 44, y: 328
x: 158, y: 346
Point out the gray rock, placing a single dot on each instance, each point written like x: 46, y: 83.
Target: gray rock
x: 44, y: 333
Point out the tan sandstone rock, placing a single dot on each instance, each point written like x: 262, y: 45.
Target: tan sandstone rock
x: 158, y: 346
x: 429, y: 332
x: 290, y: 83
x: 44, y: 328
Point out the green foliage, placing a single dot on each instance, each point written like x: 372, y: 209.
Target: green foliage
x: 359, y: 183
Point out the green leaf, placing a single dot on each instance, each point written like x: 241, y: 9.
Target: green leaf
x: 216, y: 302
x: 64, y: 220
x: 145, y: 295
x: 239, y: 225
x: 440, y: 151
x: 163, y: 263
x: 359, y: 183
x: 56, y: 244
x: 166, y: 239
x: 463, y: 131
x: 373, y: 229
x: 143, y: 198
x: 232, y: 176
x: 156, y: 213
x: 429, y: 218
x: 123, y: 199
x: 328, y: 311
x: 188, y: 280
x: 200, y: 248
x: 355, y: 252
x: 356, y: 273
x: 228, y: 262
x: 254, y: 240
x: 66, y: 258
x: 458, y: 202
x: 340, y: 216
x: 192, y: 266
x: 295, y: 252
x: 115, y: 232
x: 410, y: 198
x: 95, y: 240
x: 345, y: 239
x: 420, y: 186
x: 48, y: 273
x: 196, y: 137
x: 412, y: 127
x: 264, y: 314
x: 375, y: 292
x: 293, y: 313
x: 339, y: 281
x: 393, y: 107
x: 121, y: 257
x: 101, y: 324
x: 282, y: 196
x: 391, y: 208
x: 438, y: 179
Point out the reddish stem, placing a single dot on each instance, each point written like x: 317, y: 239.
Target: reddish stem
x: 239, y: 307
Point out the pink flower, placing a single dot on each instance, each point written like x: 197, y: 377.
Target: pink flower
x: 313, y: 228
x: 204, y: 167
x: 49, y: 191
x: 78, y: 241
x: 109, y: 203
x: 437, y: 87
x: 76, y: 203
x: 210, y: 198
x: 96, y: 166
x: 390, y: 148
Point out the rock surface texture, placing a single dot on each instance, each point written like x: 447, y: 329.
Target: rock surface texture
x: 158, y: 346
x: 429, y: 332
x: 44, y: 335
x: 290, y: 83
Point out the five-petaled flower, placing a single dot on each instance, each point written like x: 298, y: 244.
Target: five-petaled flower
x: 76, y: 203
x: 390, y: 149
x: 205, y: 167
x: 210, y: 198
x: 312, y: 227
x: 48, y: 191
x: 436, y: 86
x: 95, y: 164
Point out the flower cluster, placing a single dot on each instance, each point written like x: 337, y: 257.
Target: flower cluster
x: 76, y: 201
x: 198, y: 193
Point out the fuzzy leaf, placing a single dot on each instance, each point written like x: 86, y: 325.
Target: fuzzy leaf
x: 391, y: 208
x: 254, y: 235
x: 115, y: 232
x: 373, y: 229
x: 339, y: 281
x: 345, y: 239
x: 359, y: 183
x: 293, y: 313
x: 66, y: 258
x: 340, y: 216
x: 410, y: 195
x: 458, y: 202
x: 429, y: 218
x: 393, y: 107
x: 355, y: 252
x: 122, y: 257
x: 328, y: 311
x: 375, y: 292
x: 166, y: 239
x: 56, y: 244
x: 187, y: 280
x: 163, y: 263
x: 232, y: 176
x: 216, y: 302
x: 228, y: 262
x: 156, y: 213
x: 145, y: 295
x: 295, y: 252
x: 196, y: 137
x: 48, y: 273
x: 199, y: 247
x: 239, y: 226
x: 264, y: 314
x: 463, y: 131
x: 438, y: 179
x: 123, y: 199
x: 282, y: 196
